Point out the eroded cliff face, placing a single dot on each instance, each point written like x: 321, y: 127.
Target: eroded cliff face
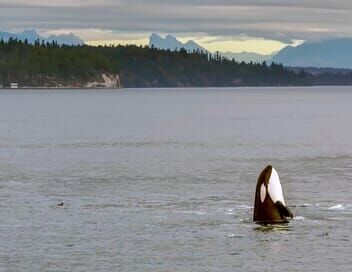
x: 105, y: 81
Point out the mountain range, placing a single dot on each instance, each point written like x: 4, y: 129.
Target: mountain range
x: 248, y: 56
x: 333, y: 53
x: 172, y: 43
x: 32, y: 36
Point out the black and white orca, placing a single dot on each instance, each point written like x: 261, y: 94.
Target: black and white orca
x: 269, y: 205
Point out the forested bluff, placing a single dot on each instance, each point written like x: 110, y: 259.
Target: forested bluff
x: 49, y: 65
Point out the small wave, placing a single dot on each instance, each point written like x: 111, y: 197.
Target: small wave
x: 191, y: 212
x: 102, y: 206
x: 299, y: 218
x: 305, y: 205
x: 337, y: 207
x: 200, y: 213
x: 234, y: 236
x: 244, y: 207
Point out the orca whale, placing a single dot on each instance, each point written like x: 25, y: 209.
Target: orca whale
x: 270, y: 206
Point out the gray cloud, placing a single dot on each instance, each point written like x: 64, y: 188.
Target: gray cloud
x: 272, y: 19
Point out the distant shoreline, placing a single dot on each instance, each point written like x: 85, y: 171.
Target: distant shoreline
x: 188, y: 87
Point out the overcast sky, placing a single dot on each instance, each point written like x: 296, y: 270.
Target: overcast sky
x: 221, y: 23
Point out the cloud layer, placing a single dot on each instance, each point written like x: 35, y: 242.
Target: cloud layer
x: 272, y: 19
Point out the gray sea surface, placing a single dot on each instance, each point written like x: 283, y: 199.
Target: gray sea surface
x: 164, y: 179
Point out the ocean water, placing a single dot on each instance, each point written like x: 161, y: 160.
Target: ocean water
x: 163, y: 180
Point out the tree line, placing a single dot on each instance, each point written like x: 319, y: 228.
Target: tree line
x: 47, y: 63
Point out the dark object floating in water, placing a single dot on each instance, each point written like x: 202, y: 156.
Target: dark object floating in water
x: 60, y: 204
x: 269, y: 205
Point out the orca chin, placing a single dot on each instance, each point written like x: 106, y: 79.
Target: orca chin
x: 269, y: 205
